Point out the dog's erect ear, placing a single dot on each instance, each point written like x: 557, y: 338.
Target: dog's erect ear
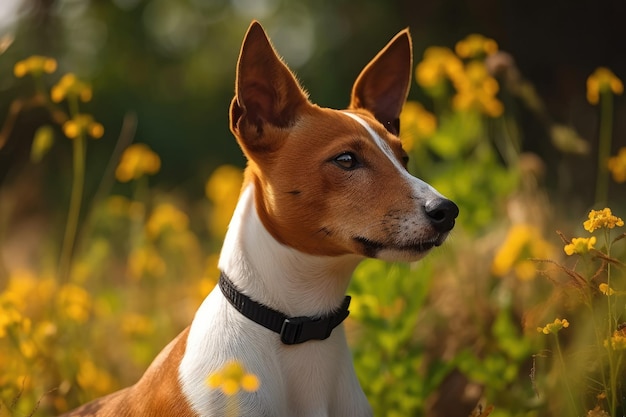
x: 266, y: 92
x: 383, y: 85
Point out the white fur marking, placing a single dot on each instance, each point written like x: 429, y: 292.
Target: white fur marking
x: 386, y: 149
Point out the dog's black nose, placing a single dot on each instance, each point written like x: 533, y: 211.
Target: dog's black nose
x: 441, y: 213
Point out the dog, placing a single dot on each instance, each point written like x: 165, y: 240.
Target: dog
x: 323, y: 189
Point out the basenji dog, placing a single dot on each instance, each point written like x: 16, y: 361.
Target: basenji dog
x: 323, y: 189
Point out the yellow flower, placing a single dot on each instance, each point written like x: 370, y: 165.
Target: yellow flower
x: 605, y: 289
x: 522, y: 242
x: 580, y: 245
x: 9, y: 317
x: 438, y: 64
x: 35, y: 65
x: 602, y: 80
x: 222, y: 188
x: 476, y: 45
x: 74, y: 302
x: 554, y: 327
x: 232, y: 378
x: 146, y: 261
x: 416, y: 123
x: 617, y: 341
x: 91, y: 378
x: 136, y: 325
x: 136, y: 161
x: 83, y: 124
x: 602, y: 218
x: 476, y: 89
x: 617, y: 166
x: 166, y: 217
x: 71, y: 87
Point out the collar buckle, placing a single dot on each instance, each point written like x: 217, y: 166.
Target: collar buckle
x: 297, y: 330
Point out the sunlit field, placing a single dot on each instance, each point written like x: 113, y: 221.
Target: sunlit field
x: 522, y: 312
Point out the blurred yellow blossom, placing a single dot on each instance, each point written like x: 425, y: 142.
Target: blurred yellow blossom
x: 438, y: 64
x: 605, y: 289
x: 71, y: 87
x: 35, y: 65
x: 232, y: 378
x: 521, y: 243
x: 166, y: 217
x: 475, y: 45
x: 417, y: 123
x: 74, y: 302
x: 602, y: 80
x: 222, y: 188
x: 9, y: 317
x: 553, y: 327
x: 137, y: 160
x: 476, y: 89
x: 146, y: 261
x: 617, y: 341
x: 617, y: 166
x: 92, y: 378
x: 602, y: 219
x: 580, y: 245
x: 134, y: 324
x: 82, y: 124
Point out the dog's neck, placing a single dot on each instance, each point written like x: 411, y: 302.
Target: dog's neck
x: 285, y: 279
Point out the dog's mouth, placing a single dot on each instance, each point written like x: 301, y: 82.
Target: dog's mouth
x: 417, y: 247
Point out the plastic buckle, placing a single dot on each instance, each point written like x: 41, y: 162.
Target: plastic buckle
x: 301, y: 329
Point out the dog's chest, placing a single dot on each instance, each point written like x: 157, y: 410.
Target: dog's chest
x: 309, y: 380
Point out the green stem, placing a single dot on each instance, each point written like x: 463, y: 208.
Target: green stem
x: 76, y: 197
x: 614, y: 377
x: 564, y: 375
x: 604, y: 146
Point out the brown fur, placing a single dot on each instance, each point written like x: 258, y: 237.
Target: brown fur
x: 156, y: 394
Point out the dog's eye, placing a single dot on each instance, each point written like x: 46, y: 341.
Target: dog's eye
x: 347, y: 161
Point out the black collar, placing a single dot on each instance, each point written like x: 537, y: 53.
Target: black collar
x: 292, y: 330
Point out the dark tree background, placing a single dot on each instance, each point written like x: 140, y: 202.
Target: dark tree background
x: 172, y: 63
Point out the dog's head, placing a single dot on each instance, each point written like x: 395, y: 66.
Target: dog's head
x: 332, y: 182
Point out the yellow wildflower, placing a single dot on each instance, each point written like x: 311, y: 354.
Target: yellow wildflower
x: 600, y: 81
x: 605, y: 289
x: 35, y: 65
x: 554, y: 327
x: 92, y: 378
x: 136, y: 161
x: 74, y: 302
x: 580, y: 245
x: 9, y: 316
x: 222, y: 188
x: 522, y: 242
x: 82, y: 124
x: 146, y: 261
x: 475, y: 45
x: 166, y: 217
x: 232, y: 378
x: 438, y: 64
x: 617, y: 166
x: 476, y: 89
x: 416, y: 123
x: 617, y: 341
x: 136, y: 325
x: 602, y: 218
x: 71, y: 87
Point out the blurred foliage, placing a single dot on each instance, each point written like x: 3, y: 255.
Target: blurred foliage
x: 108, y: 247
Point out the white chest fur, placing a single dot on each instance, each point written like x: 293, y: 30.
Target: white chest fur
x: 311, y: 379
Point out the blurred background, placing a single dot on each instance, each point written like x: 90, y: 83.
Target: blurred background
x: 108, y: 248
x: 172, y: 63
